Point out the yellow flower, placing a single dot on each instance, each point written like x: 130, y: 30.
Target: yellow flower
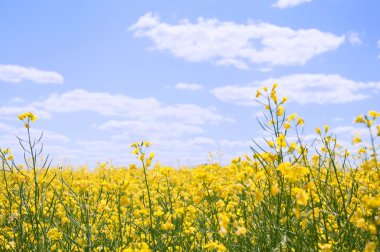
x: 292, y: 173
x: 274, y: 190
x: 361, y: 223
x: 368, y: 165
x: 325, y: 246
x: 326, y: 127
x: 292, y: 117
x: 258, y: 93
x: 280, y: 110
x: 135, y: 151
x: 378, y: 130
x: 273, y: 96
x: 147, y: 144
x: 281, y: 141
x: 259, y: 196
x: 300, y: 196
x: 286, y: 125
x: 369, y: 122
x: 372, y: 229
x: 300, y: 121
x: 215, y: 246
x: 356, y: 139
x: 370, y: 247
x: 54, y: 234
x: 318, y: 130
x: 296, y: 212
x: 241, y: 231
x: 292, y: 147
x: 270, y: 143
x: 359, y: 119
x: 168, y: 226
x: 284, y: 99
x: 373, y: 113
x: 28, y: 115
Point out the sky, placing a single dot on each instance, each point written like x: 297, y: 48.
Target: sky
x: 101, y: 75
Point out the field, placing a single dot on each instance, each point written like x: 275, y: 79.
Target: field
x: 285, y: 196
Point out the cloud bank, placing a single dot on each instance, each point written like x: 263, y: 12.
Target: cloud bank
x: 233, y: 44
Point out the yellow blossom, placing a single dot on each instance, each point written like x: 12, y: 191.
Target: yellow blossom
x: 241, y: 231
x: 280, y: 110
x: 325, y: 246
x: 271, y: 144
x: 292, y: 117
x: 28, y: 116
x: 258, y: 93
x: 286, y: 125
x: 274, y: 190
x: 373, y: 113
x: 168, y: 226
x: 318, y: 130
x: 300, y: 121
x: 300, y: 195
x: 292, y: 173
x: 281, y: 141
x: 259, y: 196
x: 370, y: 247
x: 359, y: 119
x: 326, y: 128
x: 284, y: 99
x: 356, y: 139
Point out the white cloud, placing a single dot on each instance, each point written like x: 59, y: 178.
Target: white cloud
x: 175, y: 151
x: 354, y: 38
x: 289, y: 3
x: 189, y: 86
x: 302, y: 88
x: 350, y: 131
x: 16, y: 74
x: 176, y: 130
x: 149, y: 129
x: 17, y: 100
x: 107, y: 104
x: 232, y: 62
x: 265, y: 69
x: 228, y: 43
x: 224, y: 143
x: 48, y: 135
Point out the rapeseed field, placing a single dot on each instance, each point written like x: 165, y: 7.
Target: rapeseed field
x: 285, y: 196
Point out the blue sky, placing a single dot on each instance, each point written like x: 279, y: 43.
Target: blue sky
x: 103, y: 74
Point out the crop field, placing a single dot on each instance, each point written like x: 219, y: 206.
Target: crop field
x: 288, y: 195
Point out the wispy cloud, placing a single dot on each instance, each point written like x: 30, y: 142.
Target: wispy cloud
x: 354, y: 38
x: 289, y: 3
x: 17, y: 74
x: 239, y: 45
x: 189, y: 86
x: 302, y: 88
x: 119, y: 105
x: 349, y: 131
x: 148, y: 129
x: 177, y: 130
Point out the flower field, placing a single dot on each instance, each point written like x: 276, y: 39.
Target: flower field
x: 287, y: 195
